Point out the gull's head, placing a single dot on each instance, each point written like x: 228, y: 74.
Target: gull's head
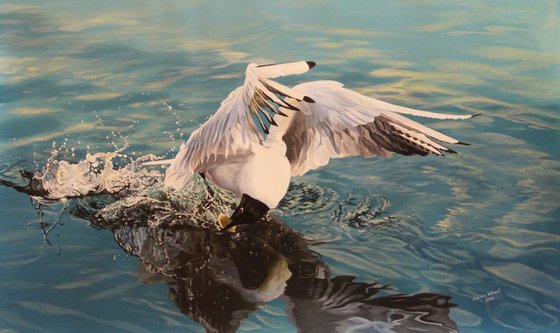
x: 249, y: 210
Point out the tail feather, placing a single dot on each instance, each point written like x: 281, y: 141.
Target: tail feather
x: 421, y: 140
x: 419, y: 113
x: 286, y: 91
x: 423, y: 129
x: 282, y: 69
x: 178, y: 174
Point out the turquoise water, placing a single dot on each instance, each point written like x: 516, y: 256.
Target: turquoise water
x: 478, y: 229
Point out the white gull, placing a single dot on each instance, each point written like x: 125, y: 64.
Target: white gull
x: 305, y: 127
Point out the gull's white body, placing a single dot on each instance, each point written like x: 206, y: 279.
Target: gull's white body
x: 312, y: 123
x: 238, y: 174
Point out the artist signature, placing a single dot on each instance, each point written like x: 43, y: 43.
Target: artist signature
x: 488, y: 296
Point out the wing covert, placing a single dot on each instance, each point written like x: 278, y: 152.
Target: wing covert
x: 239, y: 122
x: 344, y: 123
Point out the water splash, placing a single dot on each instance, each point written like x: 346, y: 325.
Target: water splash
x: 96, y: 173
x: 111, y: 189
x: 197, y: 204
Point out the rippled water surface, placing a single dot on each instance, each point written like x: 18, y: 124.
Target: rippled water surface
x: 89, y: 90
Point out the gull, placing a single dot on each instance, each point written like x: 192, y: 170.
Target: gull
x: 264, y: 133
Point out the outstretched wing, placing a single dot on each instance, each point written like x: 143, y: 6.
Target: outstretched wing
x: 343, y: 123
x: 233, y: 128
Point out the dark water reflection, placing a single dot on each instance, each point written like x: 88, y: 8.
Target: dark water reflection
x: 219, y: 280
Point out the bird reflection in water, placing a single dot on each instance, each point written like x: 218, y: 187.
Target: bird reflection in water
x: 220, y: 278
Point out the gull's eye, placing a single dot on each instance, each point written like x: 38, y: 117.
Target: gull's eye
x: 241, y: 210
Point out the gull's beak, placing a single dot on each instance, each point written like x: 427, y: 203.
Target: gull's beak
x: 224, y: 223
x: 248, y: 211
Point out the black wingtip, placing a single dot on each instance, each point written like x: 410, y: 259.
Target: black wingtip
x: 308, y: 99
x: 311, y: 64
x: 463, y: 143
x: 476, y: 115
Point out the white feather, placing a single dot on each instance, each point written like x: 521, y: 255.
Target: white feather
x: 272, y: 71
x: 316, y: 121
x: 231, y: 131
x: 413, y: 112
x: 343, y: 123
